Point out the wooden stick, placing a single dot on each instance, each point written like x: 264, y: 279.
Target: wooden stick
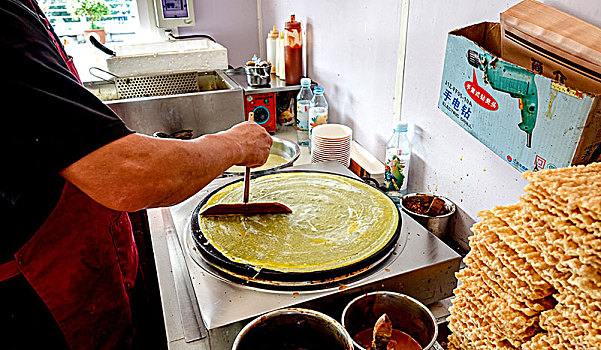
x: 246, y: 184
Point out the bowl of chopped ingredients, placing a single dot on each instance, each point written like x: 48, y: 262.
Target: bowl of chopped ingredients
x: 431, y: 211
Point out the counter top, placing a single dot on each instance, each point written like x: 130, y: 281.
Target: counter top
x: 227, y: 307
x: 275, y: 85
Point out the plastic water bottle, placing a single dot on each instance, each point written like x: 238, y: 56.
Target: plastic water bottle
x: 303, y: 102
x: 318, y: 110
x: 398, y: 157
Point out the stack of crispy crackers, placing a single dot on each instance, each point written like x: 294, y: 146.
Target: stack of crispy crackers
x: 533, y: 276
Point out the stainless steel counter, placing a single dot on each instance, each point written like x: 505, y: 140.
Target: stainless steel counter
x: 275, y: 85
x: 423, y: 269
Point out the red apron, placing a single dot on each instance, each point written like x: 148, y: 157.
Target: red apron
x: 81, y: 262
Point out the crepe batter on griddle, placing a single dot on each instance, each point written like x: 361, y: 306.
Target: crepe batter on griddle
x: 335, y: 221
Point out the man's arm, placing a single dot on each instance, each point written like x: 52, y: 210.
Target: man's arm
x: 137, y: 171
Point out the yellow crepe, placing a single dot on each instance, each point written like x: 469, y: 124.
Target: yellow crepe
x: 335, y: 222
x: 272, y: 161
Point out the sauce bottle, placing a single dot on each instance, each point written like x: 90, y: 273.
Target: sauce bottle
x: 280, y: 68
x: 272, y: 48
x: 293, y: 51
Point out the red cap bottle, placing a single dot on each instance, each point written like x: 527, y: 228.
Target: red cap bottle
x: 293, y: 51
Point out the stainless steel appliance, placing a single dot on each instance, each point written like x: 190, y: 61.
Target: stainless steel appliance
x: 424, y: 269
x: 267, y: 102
x: 213, y: 260
x: 204, y: 102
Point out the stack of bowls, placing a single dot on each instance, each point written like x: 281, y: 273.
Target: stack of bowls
x: 331, y: 142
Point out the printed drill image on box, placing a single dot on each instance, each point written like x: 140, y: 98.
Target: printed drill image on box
x: 527, y: 119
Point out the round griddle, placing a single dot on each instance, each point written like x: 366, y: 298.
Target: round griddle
x: 249, y: 275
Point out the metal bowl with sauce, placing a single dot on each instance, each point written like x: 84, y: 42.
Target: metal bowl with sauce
x: 285, y: 149
x: 406, y: 314
x: 417, y: 204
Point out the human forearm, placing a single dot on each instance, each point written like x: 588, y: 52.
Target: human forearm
x: 137, y: 171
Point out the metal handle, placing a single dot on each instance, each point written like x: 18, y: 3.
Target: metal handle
x: 112, y: 80
x: 101, y: 47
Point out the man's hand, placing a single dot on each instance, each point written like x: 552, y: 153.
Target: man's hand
x: 253, y: 143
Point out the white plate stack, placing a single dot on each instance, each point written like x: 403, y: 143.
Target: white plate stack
x: 331, y: 142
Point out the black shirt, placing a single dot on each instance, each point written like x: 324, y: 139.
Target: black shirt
x: 49, y: 121
x: 53, y: 122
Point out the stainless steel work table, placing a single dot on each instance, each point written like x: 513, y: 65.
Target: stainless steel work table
x: 424, y: 269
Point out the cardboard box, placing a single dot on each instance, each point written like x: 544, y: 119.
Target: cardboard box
x: 525, y: 118
x: 552, y: 43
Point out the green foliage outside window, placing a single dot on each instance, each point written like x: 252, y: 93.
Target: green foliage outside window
x: 92, y: 9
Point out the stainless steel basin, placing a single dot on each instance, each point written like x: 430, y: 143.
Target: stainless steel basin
x: 288, y: 150
x: 205, y: 102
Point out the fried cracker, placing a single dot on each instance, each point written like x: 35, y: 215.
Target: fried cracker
x: 570, y: 329
x: 547, y: 341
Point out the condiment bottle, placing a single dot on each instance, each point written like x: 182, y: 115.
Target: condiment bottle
x: 280, y: 67
x: 272, y: 38
x: 293, y: 51
x: 398, y: 156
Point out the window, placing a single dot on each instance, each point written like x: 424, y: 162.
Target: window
x: 120, y: 26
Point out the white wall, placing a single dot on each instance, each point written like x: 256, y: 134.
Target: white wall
x: 232, y: 23
x: 351, y: 51
x: 448, y: 160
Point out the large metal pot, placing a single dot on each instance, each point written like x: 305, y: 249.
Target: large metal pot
x: 406, y: 314
x: 293, y: 329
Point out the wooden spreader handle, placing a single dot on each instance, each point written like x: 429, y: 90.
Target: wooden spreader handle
x: 246, y: 185
x: 251, y: 117
x: 246, y: 208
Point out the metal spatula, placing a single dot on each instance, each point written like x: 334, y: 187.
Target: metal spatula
x: 246, y: 208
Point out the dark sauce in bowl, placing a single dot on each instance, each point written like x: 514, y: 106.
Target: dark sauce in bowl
x: 398, y: 341
x: 293, y: 332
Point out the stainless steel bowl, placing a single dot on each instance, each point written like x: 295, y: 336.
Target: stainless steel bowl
x: 438, y: 225
x: 293, y: 328
x: 406, y: 314
x: 283, y: 148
